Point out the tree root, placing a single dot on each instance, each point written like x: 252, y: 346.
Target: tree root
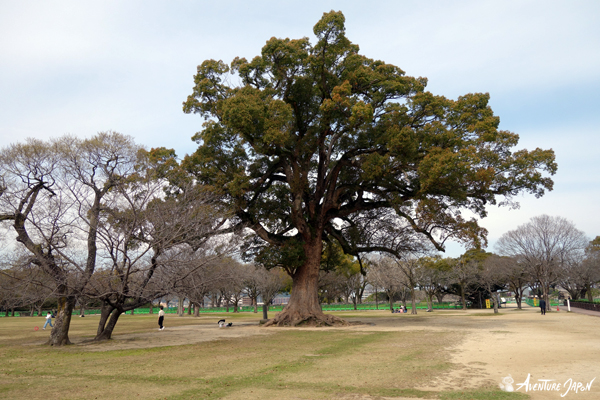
x: 294, y: 318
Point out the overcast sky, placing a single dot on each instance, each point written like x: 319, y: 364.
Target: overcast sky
x: 81, y: 67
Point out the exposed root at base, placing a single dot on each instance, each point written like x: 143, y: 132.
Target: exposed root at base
x: 63, y: 343
x: 313, y: 320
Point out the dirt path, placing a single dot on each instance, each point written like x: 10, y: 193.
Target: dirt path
x: 176, y: 336
x: 561, y: 347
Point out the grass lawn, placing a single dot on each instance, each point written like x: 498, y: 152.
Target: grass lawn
x: 284, y: 364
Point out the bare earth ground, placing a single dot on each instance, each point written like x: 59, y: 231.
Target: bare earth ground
x: 178, y: 335
x: 560, y: 346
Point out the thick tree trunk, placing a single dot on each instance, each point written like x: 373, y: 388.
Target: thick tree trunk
x: 462, y: 297
x: 180, y: 306
x: 106, y: 332
x: 496, y: 302
x: 547, y: 296
x: 440, y: 297
x: 60, y: 332
x: 104, y: 314
x: 413, y: 303
x: 265, y: 310
x: 303, y: 307
x: 518, y: 297
x: 590, y: 295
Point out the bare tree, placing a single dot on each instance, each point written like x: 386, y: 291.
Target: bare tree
x: 270, y: 283
x: 202, y: 273
x: 412, y: 270
x: 386, y: 274
x: 22, y: 283
x: 252, y: 284
x: 435, y: 276
x: 54, y: 196
x: 545, y: 245
x: 356, y: 285
x: 591, y: 264
x: 517, y: 276
x: 330, y: 286
x: 493, y: 275
x: 464, y: 272
x: 580, y: 274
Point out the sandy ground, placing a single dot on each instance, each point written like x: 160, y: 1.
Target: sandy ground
x: 176, y: 336
x: 560, y: 347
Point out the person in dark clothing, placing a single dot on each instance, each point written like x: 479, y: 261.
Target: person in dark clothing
x: 161, y: 318
x: 543, y: 306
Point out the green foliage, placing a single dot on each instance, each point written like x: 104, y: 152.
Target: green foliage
x: 594, y: 246
x: 318, y: 142
x: 334, y: 259
x: 474, y: 256
x: 290, y: 256
x: 438, y: 263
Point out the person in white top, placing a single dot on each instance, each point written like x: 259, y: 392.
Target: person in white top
x: 48, y: 320
x: 161, y: 318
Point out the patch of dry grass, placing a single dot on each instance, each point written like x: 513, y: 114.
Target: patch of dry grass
x: 286, y: 364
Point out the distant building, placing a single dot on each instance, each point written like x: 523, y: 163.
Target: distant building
x: 281, y: 299
x: 246, y: 301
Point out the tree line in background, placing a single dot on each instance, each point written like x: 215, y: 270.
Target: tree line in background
x: 547, y: 253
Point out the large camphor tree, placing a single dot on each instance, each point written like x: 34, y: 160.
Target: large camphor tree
x: 312, y: 144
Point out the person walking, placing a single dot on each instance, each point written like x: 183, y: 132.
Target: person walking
x: 48, y: 320
x: 543, y: 306
x: 161, y: 318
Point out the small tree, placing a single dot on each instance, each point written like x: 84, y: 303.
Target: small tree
x: 591, y: 272
x: 410, y: 267
x: 579, y: 275
x: 270, y: 284
x: 493, y: 276
x: 464, y: 272
x: 434, y: 278
x: 517, y: 276
x: 386, y: 274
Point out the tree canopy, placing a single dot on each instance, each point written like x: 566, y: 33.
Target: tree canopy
x: 313, y: 143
